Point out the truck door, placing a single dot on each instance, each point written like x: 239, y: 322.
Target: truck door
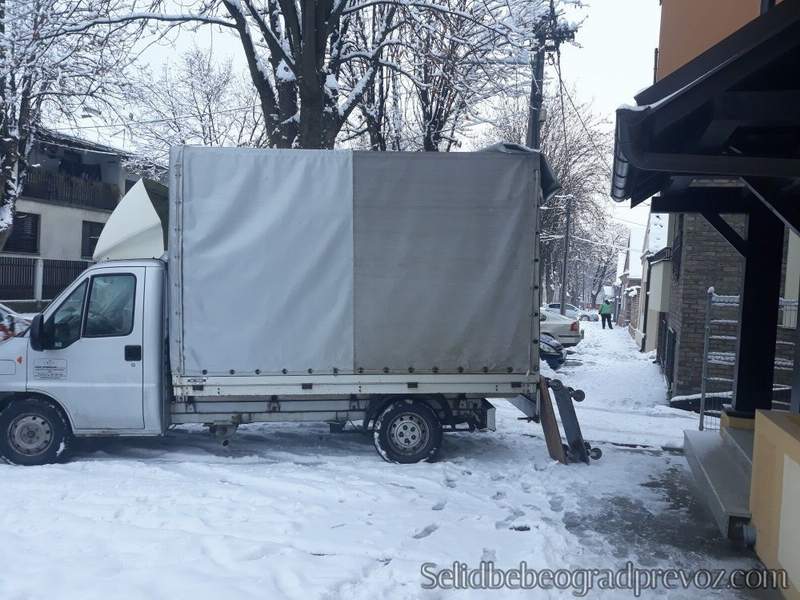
x: 93, y: 360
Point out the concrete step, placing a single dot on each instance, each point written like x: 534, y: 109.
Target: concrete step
x: 740, y: 442
x: 722, y: 479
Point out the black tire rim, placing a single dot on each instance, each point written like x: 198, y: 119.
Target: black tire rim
x: 30, y: 434
x: 408, y: 433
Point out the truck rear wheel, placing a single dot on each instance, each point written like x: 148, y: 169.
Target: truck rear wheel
x: 32, y: 432
x: 408, y: 431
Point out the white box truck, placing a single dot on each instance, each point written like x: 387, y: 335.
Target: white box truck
x: 396, y: 291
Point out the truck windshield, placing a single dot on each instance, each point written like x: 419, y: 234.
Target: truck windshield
x: 110, y: 311
x: 65, y: 323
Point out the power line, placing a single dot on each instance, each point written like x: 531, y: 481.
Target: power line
x: 564, y: 91
x: 149, y: 121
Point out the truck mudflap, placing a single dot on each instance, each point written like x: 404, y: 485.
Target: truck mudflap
x: 574, y: 448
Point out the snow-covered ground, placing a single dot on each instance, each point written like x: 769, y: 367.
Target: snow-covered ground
x: 291, y: 511
x: 626, y: 399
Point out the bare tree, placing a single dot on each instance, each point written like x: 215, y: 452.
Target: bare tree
x: 302, y: 55
x: 295, y: 51
x: 459, y: 63
x: 196, y: 101
x: 577, y: 145
x: 49, y: 68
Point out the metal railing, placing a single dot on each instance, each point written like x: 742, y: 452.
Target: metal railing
x: 720, y: 348
x: 66, y: 189
x: 30, y: 279
x: 17, y: 278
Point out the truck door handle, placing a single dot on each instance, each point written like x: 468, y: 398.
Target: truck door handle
x: 133, y: 353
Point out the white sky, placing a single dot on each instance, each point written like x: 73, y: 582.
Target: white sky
x: 612, y: 62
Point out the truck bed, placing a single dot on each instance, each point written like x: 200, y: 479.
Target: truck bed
x: 336, y: 273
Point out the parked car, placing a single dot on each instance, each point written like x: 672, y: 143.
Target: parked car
x: 551, y: 351
x: 591, y: 315
x: 573, y: 312
x: 567, y: 331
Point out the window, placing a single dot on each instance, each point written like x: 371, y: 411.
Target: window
x: 89, y: 236
x: 24, y: 235
x: 64, y: 325
x: 110, y: 306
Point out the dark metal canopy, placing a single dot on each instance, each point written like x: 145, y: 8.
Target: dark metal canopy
x: 722, y: 135
x: 727, y: 121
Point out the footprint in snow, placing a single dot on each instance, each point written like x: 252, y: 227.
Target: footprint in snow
x: 556, y: 503
x: 513, y: 516
x: 451, y: 483
x: 429, y: 529
x: 439, y: 505
x: 499, y: 496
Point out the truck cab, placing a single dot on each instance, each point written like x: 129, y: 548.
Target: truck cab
x: 90, y: 364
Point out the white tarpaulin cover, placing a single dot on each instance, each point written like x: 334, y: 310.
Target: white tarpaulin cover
x: 133, y: 230
x: 298, y: 261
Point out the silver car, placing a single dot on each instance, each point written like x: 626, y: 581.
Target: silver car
x: 573, y: 312
x: 564, y: 329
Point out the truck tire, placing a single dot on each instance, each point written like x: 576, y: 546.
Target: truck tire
x: 408, y: 431
x: 33, y: 432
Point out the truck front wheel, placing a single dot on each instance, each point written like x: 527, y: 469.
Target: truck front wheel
x: 408, y: 431
x: 32, y: 432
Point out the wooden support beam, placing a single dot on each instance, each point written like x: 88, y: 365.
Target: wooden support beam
x: 758, y: 313
x: 728, y: 232
x: 720, y: 201
x: 723, y: 166
x: 762, y: 107
x: 786, y: 209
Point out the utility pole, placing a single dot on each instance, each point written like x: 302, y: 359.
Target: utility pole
x: 533, y: 139
x: 550, y: 34
x: 563, y: 298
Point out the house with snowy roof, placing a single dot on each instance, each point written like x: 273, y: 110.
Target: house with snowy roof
x: 69, y: 193
x: 656, y: 283
x: 630, y: 281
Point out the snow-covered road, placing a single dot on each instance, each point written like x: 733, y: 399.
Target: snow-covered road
x: 625, y: 392
x: 291, y: 511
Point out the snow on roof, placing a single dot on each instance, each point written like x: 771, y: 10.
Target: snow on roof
x: 620, y: 265
x: 635, y: 246
x: 656, y: 233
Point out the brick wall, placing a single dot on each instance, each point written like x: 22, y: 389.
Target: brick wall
x: 706, y: 260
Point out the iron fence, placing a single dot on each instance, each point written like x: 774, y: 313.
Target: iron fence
x: 17, y: 278
x: 58, y: 274
x: 33, y: 279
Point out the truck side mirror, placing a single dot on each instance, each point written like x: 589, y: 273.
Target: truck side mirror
x: 37, y: 333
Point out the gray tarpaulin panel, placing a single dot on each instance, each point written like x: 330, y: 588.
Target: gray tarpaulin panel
x: 318, y: 260
x: 444, y: 245
x: 261, y: 254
